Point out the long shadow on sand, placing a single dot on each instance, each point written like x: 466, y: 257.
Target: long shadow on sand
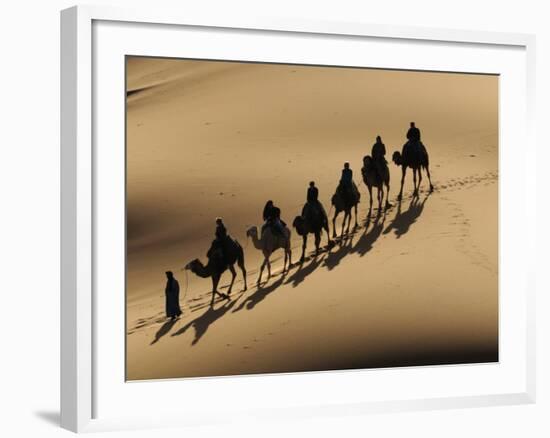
x: 343, y: 248
x: 205, y: 320
x: 402, y: 221
x: 304, y: 270
x: 252, y: 300
x: 363, y: 245
x: 369, y: 237
x: 164, y: 329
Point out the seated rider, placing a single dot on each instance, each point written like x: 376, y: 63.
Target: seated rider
x: 378, y: 155
x: 221, y: 231
x: 346, y: 180
x: 220, y: 241
x: 272, y: 218
x: 413, y: 134
x: 312, y: 193
x: 313, y: 198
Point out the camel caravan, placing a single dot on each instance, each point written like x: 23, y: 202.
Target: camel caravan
x: 274, y: 234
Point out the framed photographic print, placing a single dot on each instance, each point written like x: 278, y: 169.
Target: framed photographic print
x: 252, y: 209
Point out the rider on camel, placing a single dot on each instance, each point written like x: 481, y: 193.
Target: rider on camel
x: 413, y: 134
x: 378, y: 154
x: 272, y: 218
x: 346, y: 180
x: 220, y: 241
x: 313, y: 199
x: 346, y: 185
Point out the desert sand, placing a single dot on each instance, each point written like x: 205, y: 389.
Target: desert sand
x: 414, y: 285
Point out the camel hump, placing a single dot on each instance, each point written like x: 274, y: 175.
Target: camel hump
x: 235, y: 243
x: 415, y: 154
x: 397, y: 158
x: 225, y: 251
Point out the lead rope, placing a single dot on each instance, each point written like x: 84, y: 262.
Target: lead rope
x: 185, y: 290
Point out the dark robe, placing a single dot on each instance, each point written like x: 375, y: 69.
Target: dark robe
x: 413, y: 134
x: 272, y: 218
x: 221, y: 232
x: 378, y: 151
x: 378, y: 156
x: 347, y: 177
x: 312, y: 194
x: 172, y: 293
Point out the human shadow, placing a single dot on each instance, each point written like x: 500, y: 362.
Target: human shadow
x: 202, y: 323
x: 163, y: 330
x: 252, y: 300
x: 402, y: 221
x: 365, y: 243
x: 304, y: 270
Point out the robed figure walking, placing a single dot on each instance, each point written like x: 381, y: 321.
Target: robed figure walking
x: 172, y: 293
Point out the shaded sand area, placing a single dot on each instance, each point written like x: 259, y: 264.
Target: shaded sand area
x: 415, y: 285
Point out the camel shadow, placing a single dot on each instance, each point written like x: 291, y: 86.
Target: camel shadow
x: 402, y: 221
x: 304, y: 271
x: 252, y: 300
x: 202, y: 323
x: 367, y: 239
x: 164, y: 329
x: 345, y: 246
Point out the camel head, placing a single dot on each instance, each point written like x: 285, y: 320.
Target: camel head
x: 367, y: 161
x: 252, y: 231
x: 397, y: 158
x: 299, y: 223
x: 192, y: 265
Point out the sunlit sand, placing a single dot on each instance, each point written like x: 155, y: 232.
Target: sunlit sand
x: 415, y: 284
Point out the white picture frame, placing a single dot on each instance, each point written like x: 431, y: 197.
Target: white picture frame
x: 82, y: 373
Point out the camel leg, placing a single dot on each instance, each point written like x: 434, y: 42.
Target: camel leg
x: 269, y: 269
x: 289, y: 250
x: 215, y: 281
x: 419, y: 177
x: 356, y: 224
x: 233, y: 275
x: 304, y: 243
x: 240, y: 262
x: 344, y: 222
x: 349, y: 221
x: 328, y: 234
x: 403, y: 173
x: 429, y: 178
x: 415, y: 192
x: 388, y: 205
x: 317, y: 242
x: 334, y: 223
x: 370, y: 198
x: 262, y: 270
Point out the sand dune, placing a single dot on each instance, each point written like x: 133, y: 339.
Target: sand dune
x: 415, y: 285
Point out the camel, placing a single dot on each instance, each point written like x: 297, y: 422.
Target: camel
x: 343, y: 201
x: 416, y: 158
x: 218, y: 264
x: 268, y: 243
x: 372, y: 178
x: 312, y: 220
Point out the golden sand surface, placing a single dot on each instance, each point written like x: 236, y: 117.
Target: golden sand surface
x: 415, y: 285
